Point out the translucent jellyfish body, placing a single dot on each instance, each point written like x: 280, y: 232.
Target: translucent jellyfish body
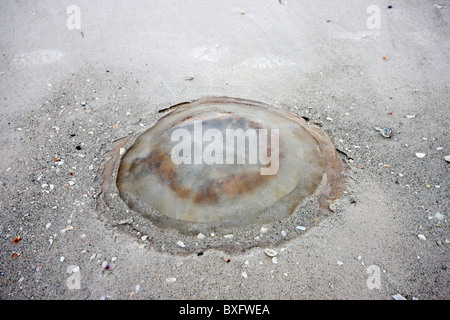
x: 226, y: 163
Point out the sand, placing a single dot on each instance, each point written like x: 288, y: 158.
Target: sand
x: 68, y: 95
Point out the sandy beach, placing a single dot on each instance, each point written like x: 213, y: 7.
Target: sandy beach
x: 78, y: 78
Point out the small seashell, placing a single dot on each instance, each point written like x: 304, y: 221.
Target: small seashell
x: 181, y: 244
x: 339, y: 263
x: 126, y: 221
x: 274, y: 260
x: 386, y: 132
x: 422, y: 237
x: 270, y: 252
x: 398, y: 297
x: 439, y: 216
x: 200, y: 236
x: 228, y: 236
x: 447, y: 158
x: 420, y: 155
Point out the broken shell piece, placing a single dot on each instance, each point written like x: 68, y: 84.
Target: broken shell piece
x: 270, y: 252
x: 385, y: 132
x: 181, y: 244
x: 447, y: 158
x: 110, y: 266
x: 126, y: 221
x: 420, y: 155
x: 421, y: 237
x: 439, y: 216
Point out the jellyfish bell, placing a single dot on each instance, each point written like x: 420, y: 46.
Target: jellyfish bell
x: 226, y: 164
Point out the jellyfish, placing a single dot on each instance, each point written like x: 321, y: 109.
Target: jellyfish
x: 227, y: 162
